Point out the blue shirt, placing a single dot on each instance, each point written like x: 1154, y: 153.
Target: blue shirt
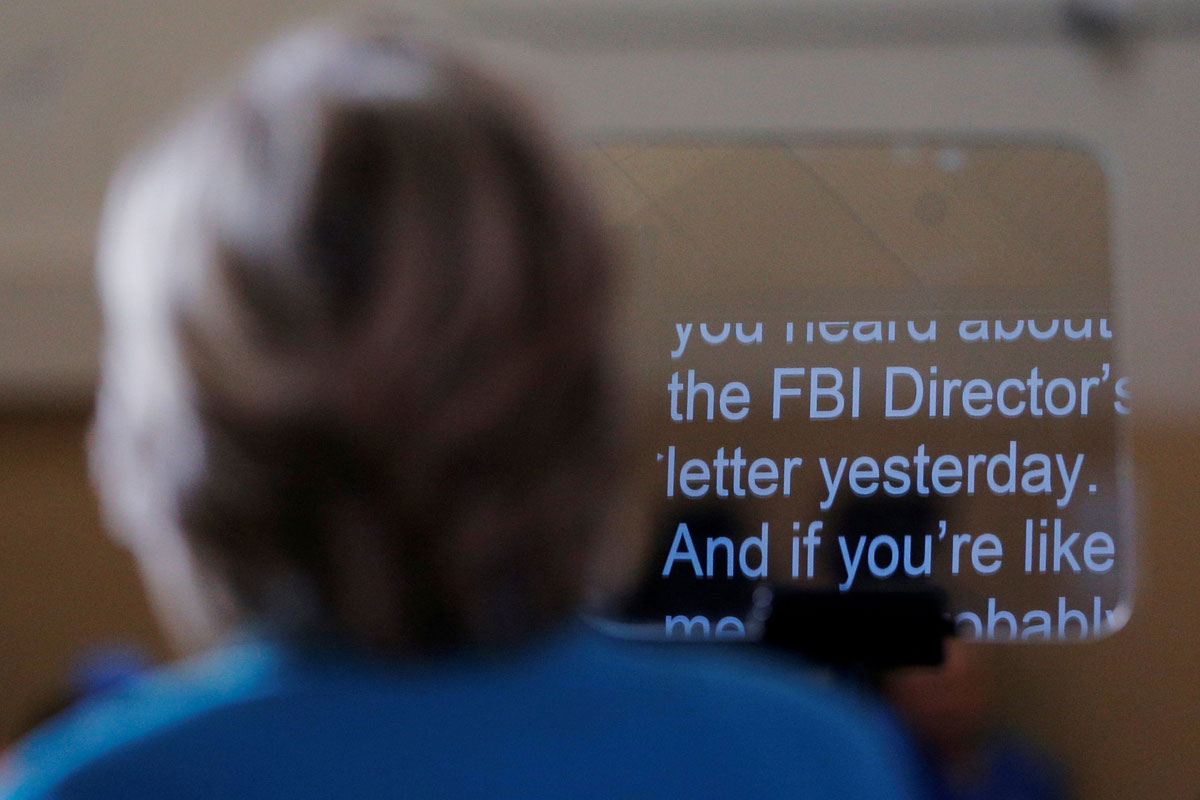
x: 574, y: 715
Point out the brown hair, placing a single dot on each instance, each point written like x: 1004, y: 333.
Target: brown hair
x: 356, y: 348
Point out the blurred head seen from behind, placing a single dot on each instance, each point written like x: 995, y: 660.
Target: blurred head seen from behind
x: 355, y: 377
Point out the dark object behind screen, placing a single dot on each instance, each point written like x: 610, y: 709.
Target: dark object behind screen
x: 867, y: 629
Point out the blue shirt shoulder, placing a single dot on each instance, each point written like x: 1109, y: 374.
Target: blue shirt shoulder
x: 577, y: 714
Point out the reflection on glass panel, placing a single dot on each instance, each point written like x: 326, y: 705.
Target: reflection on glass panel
x: 869, y: 374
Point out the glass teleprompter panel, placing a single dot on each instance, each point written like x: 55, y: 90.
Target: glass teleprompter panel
x: 873, y: 369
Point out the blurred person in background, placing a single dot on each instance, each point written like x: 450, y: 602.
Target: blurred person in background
x: 966, y: 756
x: 358, y: 424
